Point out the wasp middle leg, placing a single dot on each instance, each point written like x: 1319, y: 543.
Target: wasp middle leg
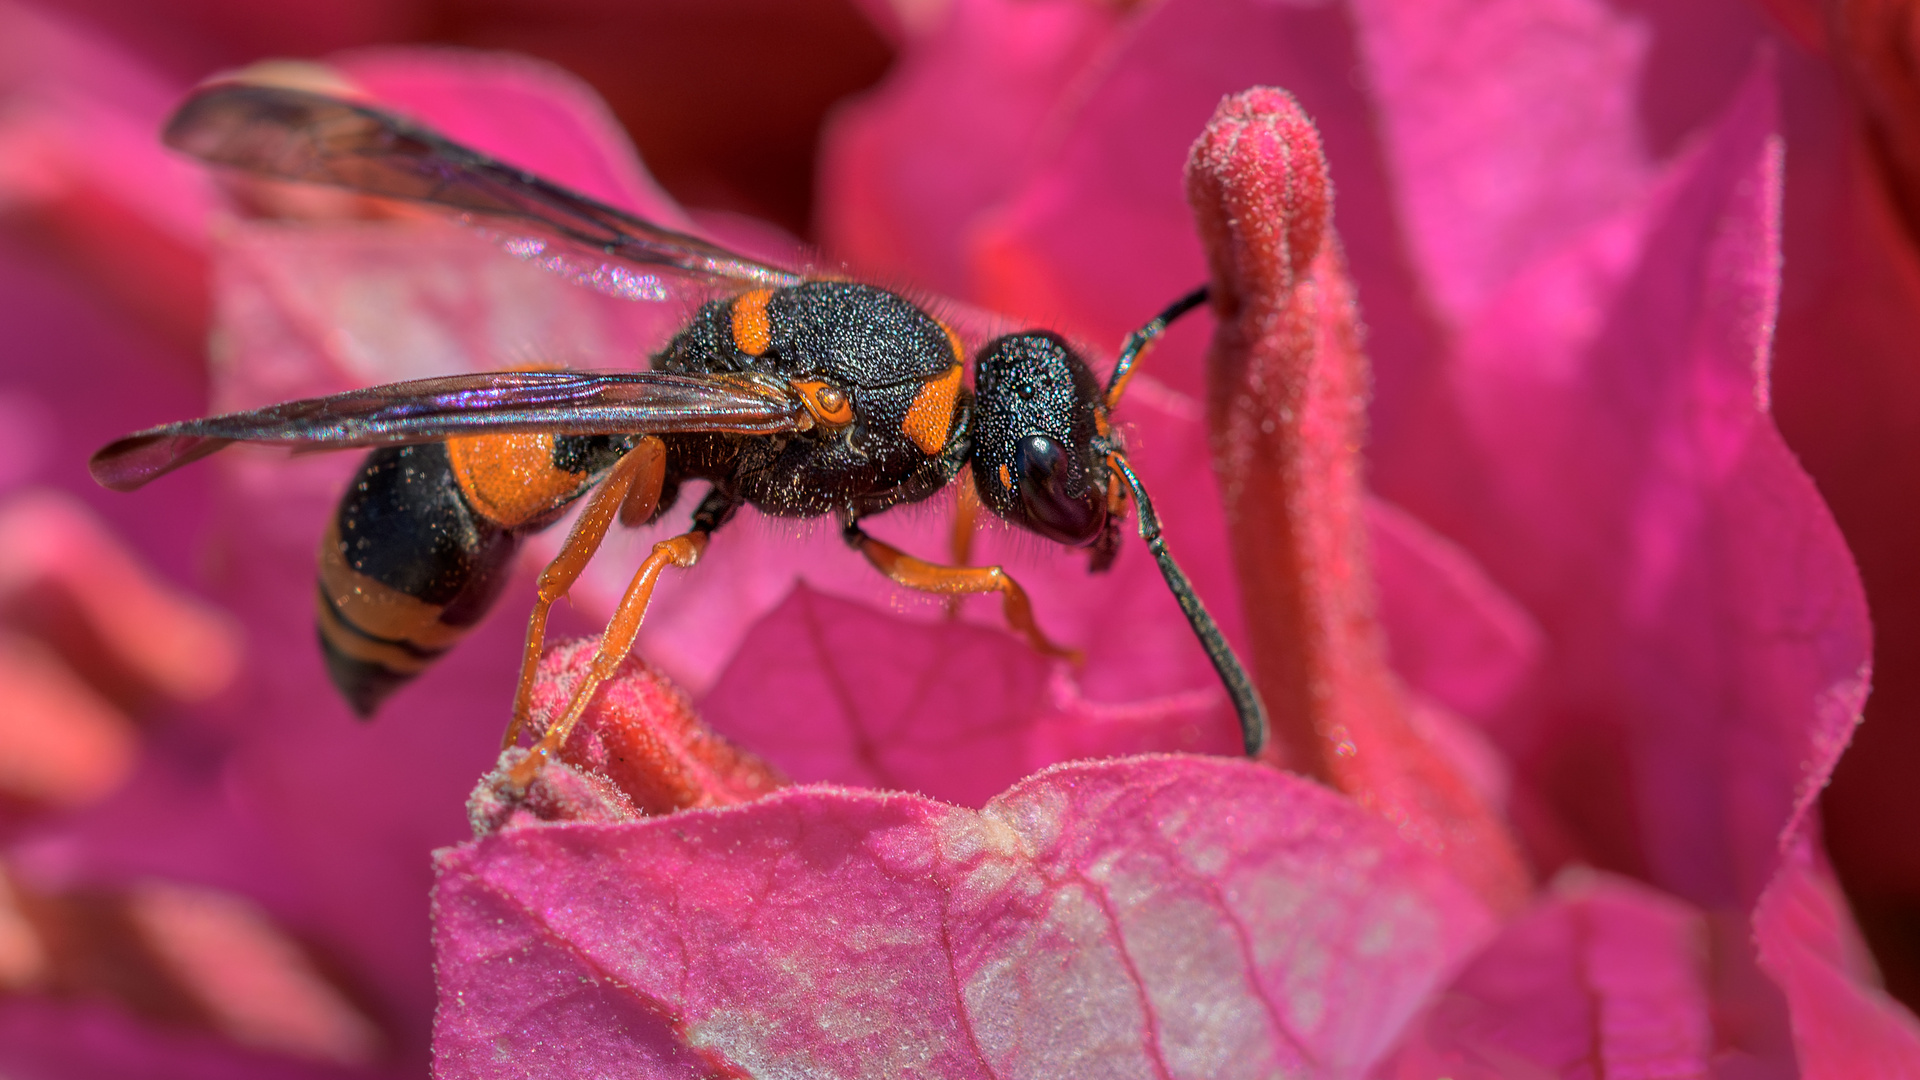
x: 919, y: 574
x: 966, y: 513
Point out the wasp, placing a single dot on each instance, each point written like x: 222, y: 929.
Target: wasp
x: 802, y: 396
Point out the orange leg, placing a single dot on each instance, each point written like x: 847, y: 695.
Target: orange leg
x: 644, y: 467
x: 683, y: 550
x: 644, y: 496
x: 1116, y: 488
x: 919, y: 574
x: 966, y: 510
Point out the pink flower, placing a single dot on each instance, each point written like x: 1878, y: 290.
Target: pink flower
x: 1621, y: 626
x: 1676, y: 657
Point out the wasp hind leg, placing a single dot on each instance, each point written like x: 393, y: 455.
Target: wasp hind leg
x: 683, y: 551
x: 636, y: 478
x: 950, y: 581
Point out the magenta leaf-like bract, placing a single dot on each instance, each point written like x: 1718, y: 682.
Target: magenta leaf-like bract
x: 1620, y: 614
x: 834, y: 691
x: 1605, y: 978
x: 1153, y: 916
x: 1711, y: 639
x: 1841, y: 1021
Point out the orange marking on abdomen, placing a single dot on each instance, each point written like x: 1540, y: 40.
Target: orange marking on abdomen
x: 931, y: 415
x: 347, y: 641
x: 510, y: 479
x: 752, y: 330
x: 376, y: 608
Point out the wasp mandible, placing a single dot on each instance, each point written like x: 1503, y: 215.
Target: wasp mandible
x: 801, y: 396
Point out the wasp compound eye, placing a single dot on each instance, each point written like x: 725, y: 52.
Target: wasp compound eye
x: 1060, y: 504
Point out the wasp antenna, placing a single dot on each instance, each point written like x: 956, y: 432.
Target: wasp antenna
x: 1136, y: 344
x: 1246, y: 700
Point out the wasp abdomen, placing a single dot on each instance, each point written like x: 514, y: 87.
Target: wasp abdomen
x: 407, y: 567
x: 423, y: 542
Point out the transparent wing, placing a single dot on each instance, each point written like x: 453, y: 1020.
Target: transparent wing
x: 314, y: 138
x: 503, y: 402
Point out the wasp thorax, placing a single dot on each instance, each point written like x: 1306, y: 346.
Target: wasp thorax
x: 1036, y: 456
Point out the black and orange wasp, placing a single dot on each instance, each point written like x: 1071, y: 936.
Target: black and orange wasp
x: 799, y: 395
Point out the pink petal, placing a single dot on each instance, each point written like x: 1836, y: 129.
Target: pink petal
x: 44, y: 1037
x: 1711, y: 642
x: 195, y: 959
x: 86, y: 185
x: 838, y: 692
x: 1510, y: 127
x: 1451, y: 632
x: 1845, y: 392
x: 1605, y: 978
x: 988, y: 79
x: 1173, y: 915
x: 1872, y: 44
x: 82, y: 113
x: 1843, y: 1023
x: 67, y: 744
x: 91, y: 634
x: 257, y: 986
x: 1803, y: 20
x: 66, y: 576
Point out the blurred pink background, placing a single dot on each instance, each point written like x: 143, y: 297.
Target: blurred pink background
x: 104, y: 309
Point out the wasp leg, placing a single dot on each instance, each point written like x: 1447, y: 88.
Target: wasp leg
x: 641, y: 470
x: 641, y: 501
x: 919, y: 574
x: 683, y: 551
x: 966, y: 511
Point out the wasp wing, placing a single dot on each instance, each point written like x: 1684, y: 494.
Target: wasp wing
x: 493, y: 403
x: 299, y: 135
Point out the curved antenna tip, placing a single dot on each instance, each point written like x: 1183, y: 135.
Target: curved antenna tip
x: 1246, y: 698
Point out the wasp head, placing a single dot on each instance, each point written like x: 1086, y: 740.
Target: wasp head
x: 1040, y: 439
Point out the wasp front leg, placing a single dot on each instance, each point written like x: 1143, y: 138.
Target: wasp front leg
x: 928, y: 577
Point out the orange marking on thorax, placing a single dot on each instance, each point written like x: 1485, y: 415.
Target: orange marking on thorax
x: 752, y: 330
x: 931, y: 415
x: 510, y: 479
x: 829, y: 405
x: 953, y: 339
